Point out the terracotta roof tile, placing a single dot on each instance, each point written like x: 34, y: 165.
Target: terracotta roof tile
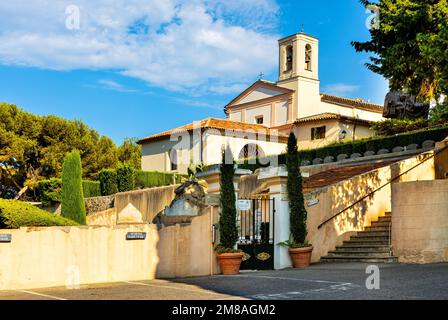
x: 328, y: 116
x: 219, y: 124
x: 339, y: 174
x: 353, y: 103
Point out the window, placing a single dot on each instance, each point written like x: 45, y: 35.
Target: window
x: 308, y: 55
x: 318, y: 133
x: 259, y: 120
x: 289, y: 58
x: 173, y: 159
x: 251, y: 151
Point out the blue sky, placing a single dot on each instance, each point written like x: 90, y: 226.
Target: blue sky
x: 143, y: 66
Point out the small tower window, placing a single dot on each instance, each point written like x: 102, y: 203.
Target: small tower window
x: 289, y: 58
x: 308, y: 55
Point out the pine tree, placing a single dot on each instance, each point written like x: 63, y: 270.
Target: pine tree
x: 297, y: 214
x: 72, y: 194
x: 227, y: 222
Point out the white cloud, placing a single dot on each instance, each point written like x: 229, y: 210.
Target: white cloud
x: 340, y: 89
x: 199, y: 45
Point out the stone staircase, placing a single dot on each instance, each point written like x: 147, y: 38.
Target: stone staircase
x: 371, y: 245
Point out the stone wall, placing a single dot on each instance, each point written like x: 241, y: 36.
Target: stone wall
x: 420, y: 221
x: 97, y: 204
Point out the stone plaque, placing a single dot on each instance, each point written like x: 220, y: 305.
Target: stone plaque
x: 5, y: 238
x: 136, y: 236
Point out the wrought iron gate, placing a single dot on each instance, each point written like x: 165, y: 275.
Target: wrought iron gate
x: 256, y: 234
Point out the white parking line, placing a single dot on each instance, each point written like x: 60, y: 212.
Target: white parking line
x: 292, y: 279
x: 41, y: 294
x: 169, y: 287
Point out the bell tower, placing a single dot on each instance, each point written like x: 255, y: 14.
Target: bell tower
x: 299, y: 71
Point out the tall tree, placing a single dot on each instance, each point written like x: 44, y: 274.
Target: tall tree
x: 227, y: 220
x: 131, y: 153
x: 33, y: 147
x: 297, y: 211
x: 410, y: 46
x: 72, y: 196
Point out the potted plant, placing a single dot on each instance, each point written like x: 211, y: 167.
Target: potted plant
x: 299, y: 249
x: 229, y: 258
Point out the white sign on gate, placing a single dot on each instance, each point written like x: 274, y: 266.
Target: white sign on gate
x: 243, y: 205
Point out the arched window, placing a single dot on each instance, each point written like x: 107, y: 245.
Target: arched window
x: 308, y: 55
x: 289, y: 58
x: 173, y: 159
x: 251, y: 150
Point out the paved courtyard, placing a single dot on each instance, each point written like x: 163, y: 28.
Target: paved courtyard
x: 321, y: 281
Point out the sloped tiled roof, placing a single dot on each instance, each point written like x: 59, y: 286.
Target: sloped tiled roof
x: 219, y: 124
x: 338, y: 174
x: 352, y: 103
x: 328, y: 116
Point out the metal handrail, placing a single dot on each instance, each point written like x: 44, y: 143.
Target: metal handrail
x: 379, y: 188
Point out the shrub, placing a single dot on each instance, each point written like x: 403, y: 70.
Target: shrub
x: 91, y: 188
x: 49, y: 191
x: 125, y: 177
x: 297, y: 211
x: 15, y: 214
x: 150, y: 179
x: 108, y: 182
x: 394, y: 126
x: 227, y: 220
x: 72, y: 193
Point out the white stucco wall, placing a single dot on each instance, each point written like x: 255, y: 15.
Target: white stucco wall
x: 264, y: 111
x: 236, y: 116
x: 281, y: 113
x: 258, y: 94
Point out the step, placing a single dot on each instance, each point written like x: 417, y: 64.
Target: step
x: 377, y: 228
x: 364, y: 248
x: 373, y: 234
x: 380, y: 224
x: 367, y: 242
x: 359, y: 259
x: 349, y: 253
x: 385, y: 219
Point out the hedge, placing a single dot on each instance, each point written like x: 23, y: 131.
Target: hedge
x: 108, y: 182
x: 125, y: 178
x: 91, y: 188
x: 15, y: 214
x: 49, y: 191
x: 150, y: 179
x: 360, y: 146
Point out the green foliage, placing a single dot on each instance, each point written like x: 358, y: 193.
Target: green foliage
x: 72, y: 193
x: 130, y: 153
x: 125, y: 177
x: 297, y: 211
x: 151, y: 179
x: 439, y: 114
x: 49, y: 191
x: 33, y: 148
x: 108, y: 182
x: 394, y: 126
x: 410, y: 46
x: 227, y: 220
x: 220, y: 250
x: 91, y: 188
x: 15, y: 214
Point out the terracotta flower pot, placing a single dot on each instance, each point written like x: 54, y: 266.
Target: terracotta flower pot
x: 301, y: 257
x: 230, y: 263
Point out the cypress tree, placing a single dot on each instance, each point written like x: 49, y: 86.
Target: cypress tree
x: 227, y: 221
x: 72, y: 194
x: 297, y: 211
